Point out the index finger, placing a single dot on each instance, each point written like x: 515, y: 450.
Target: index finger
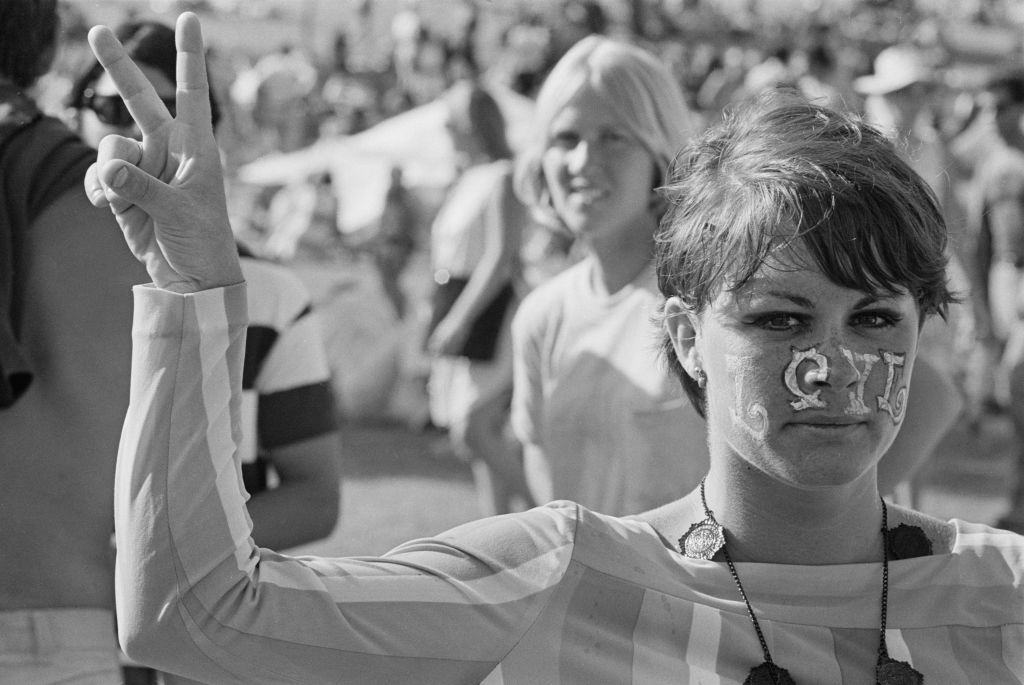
x: 193, y: 87
x: 136, y: 90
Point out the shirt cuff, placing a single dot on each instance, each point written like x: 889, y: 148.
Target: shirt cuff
x: 160, y: 312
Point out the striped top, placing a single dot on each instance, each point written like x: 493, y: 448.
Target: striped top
x: 558, y: 594
x: 286, y: 391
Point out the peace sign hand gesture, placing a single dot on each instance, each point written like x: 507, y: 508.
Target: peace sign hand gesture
x: 167, y: 191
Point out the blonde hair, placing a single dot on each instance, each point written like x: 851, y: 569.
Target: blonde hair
x: 634, y: 85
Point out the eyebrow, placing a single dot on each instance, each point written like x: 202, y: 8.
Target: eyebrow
x: 806, y: 303
x: 798, y: 300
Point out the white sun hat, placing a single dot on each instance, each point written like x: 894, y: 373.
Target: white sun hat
x: 896, y: 67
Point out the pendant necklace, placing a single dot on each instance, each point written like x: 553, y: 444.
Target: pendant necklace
x: 706, y: 538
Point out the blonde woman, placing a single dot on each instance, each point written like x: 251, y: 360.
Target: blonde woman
x: 601, y: 421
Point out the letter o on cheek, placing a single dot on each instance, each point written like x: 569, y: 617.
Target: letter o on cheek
x: 816, y: 371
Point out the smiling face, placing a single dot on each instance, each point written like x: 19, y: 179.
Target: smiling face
x: 600, y: 176
x: 806, y: 380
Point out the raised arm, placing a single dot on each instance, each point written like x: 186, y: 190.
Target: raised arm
x: 195, y: 595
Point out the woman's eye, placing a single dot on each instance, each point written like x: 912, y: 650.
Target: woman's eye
x: 565, y: 140
x: 614, y: 137
x: 875, y: 319
x: 778, y: 321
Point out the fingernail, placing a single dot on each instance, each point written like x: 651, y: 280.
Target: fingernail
x: 119, y: 178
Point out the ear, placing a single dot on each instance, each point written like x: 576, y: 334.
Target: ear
x: 683, y: 327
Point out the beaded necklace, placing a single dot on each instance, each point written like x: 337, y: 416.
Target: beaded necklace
x: 706, y: 538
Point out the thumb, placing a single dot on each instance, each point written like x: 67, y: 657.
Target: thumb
x: 133, y: 186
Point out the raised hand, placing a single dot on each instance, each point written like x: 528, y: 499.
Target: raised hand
x: 167, y: 191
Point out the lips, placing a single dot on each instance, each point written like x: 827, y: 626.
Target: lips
x: 825, y: 422
x: 585, y: 190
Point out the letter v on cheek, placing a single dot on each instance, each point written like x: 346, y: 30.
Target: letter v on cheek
x: 856, y: 407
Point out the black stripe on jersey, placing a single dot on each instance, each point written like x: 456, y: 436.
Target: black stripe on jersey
x: 296, y: 414
x: 258, y: 342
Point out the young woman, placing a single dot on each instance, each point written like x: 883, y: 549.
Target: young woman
x: 601, y: 421
x: 799, y: 260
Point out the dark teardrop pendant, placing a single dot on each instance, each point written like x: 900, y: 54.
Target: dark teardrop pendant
x: 768, y: 674
x: 892, y: 672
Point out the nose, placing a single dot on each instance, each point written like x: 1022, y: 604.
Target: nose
x: 820, y: 375
x: 579, y: 157
x: 835, y: 366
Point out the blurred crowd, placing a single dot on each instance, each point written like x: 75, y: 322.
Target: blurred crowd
x: 395, y: 214
x: 907, y: 66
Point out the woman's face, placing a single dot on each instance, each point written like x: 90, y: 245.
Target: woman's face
x: 600, y: 177
x: 107, y: 114
x: 806, y: 380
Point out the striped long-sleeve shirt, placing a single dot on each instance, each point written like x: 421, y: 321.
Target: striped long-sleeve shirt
x: 558, y: 594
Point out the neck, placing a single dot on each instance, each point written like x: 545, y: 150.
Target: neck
x: 618, y: 262
x: 773, y: 522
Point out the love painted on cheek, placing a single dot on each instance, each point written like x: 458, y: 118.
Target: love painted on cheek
x: 752, y: 416
x: 892, y: 401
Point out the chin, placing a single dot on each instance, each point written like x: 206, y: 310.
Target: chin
x: 816, y: 470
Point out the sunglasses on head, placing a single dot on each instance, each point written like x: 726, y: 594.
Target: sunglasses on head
x: 111, y: 110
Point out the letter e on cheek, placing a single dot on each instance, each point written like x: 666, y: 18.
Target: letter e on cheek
x: 896, y: 408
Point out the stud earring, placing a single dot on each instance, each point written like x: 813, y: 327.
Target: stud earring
x: 701, y: 378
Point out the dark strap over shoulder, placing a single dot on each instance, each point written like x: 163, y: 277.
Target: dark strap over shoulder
x: 40, y: 160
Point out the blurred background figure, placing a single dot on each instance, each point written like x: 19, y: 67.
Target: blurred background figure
x: 601, y: 420
x: 999, y: 217
x: 65, y: 349
x: 475, y: 241
x: 305, y: 209
x: 395, y: 240
x: 286, y: 81
x: 902, y: 97
x: 290, y: 451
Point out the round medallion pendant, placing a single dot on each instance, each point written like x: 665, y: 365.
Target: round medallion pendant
x: 892, y: 672
x: 703, y: 540
x: 768, y: 674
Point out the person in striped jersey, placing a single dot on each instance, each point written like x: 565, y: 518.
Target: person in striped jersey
x: 798, y: 347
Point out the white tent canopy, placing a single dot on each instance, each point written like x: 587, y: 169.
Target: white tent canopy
x: 360, y: 164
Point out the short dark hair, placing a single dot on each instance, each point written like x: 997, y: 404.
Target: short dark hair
x: 28, y: 39
x: 778, y: 170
